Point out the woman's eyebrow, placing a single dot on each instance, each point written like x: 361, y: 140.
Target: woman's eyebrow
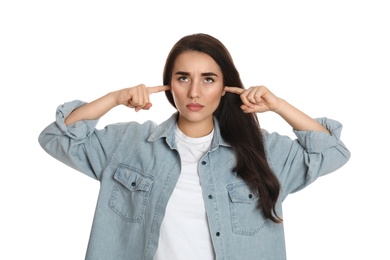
x: 209, y: 74
x: 182, y: 73
x: 203, y: 74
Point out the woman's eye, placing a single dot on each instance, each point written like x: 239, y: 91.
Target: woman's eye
x: 209, y: 80
x: 183, y: 78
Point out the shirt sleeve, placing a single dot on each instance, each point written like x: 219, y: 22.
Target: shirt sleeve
x: 80, y: 145
x: 298, y: 162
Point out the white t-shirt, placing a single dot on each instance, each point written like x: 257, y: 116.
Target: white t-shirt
x: 184, y: 230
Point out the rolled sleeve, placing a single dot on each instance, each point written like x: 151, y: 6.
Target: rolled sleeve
x: 299, y: 162
x: 79, y: 130
x: 315, y: 142
x: 74, y: 144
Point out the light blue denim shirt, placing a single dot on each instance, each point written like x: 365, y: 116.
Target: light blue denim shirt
x: 138, y: 166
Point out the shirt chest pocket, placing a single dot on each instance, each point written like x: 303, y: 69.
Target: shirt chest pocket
x: 130, y: 193
x: 246, y: 218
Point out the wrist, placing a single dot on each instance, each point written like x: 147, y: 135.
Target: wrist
x: 113, y: 98
x: 281, y: 107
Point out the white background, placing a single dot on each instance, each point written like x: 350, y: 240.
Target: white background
x: 328, y: 58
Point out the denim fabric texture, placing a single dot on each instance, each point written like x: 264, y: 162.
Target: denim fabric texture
x: 138, y: 166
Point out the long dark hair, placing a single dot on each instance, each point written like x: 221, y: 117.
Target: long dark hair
x: 241, y: 130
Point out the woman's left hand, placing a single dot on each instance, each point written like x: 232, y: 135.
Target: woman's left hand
x: 256, y: 99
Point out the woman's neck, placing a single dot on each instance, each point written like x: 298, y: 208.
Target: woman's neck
x: 195, y: 129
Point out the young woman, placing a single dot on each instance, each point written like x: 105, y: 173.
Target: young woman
x: 208, y: 183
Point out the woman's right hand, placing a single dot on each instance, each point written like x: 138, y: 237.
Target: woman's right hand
x: 137, y: 97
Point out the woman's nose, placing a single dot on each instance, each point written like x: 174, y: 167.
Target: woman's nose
x: 194, y: 91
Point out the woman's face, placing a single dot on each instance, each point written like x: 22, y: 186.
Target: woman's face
x: 197, y: 88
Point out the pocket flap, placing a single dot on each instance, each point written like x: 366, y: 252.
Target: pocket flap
x: 133, y: 178
x: 240, y: 193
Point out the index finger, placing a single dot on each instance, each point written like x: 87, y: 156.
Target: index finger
x: 157, y: 89
x: 234, y: 90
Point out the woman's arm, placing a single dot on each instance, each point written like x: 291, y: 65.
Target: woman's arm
x: 135, y: 97
x: 297, y: 119
x: 261, y: 99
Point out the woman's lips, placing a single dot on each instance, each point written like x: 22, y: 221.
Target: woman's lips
x: 194, y: 107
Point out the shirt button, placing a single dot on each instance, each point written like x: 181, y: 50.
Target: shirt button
x: 203, y: 162
x: 250, y: 196
x: 133, y: 183
x: 217, y: 234
x: 210, y: 196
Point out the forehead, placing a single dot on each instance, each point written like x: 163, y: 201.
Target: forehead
x: 195, y: 61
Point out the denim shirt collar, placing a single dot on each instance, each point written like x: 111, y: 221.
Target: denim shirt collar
x: 168, y: 128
